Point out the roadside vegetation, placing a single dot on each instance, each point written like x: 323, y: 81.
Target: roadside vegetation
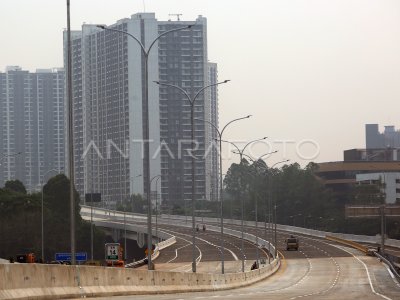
x: 20, y: 221
x: 301, y: 199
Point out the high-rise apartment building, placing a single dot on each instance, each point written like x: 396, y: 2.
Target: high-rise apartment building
x: 108, y: 76
x: 31, y: 125
x: 213, y: 167
x: 183, y: 62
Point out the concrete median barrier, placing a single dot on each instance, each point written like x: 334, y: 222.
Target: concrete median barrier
x: 352, y: 244
x: 35, y: 281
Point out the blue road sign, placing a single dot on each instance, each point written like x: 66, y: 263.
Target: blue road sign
x: 79, y: 256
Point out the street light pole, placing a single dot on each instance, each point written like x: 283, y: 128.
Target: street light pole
x: 70, y: 136
x: 146, y: 124
x: 275, y: 217
x: 125, y: 252
x: 157, y: 177
x: 240, y: 152
x: 157, y: 207
x: 192, y: 102
x: 255, y: 162
x: 221, y: 183
x: 42, y: 218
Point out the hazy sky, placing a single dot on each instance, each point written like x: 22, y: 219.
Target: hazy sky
x: 306, y: 70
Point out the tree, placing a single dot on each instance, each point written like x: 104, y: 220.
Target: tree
x: 16, y: 186
x: 295, y: 190
x: 20, y: 222
x: 56, y: 195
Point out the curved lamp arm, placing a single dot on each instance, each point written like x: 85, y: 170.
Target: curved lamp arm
x: 237, y: 148
x: 154, y: 177
x: 234, y: 120
x: 186, y: 94
x: 280, y: 162
x: 146, y: 52
x: 208, y: 122
x: 166, y: 32
x: 256, y: 140
x: 210, y: 85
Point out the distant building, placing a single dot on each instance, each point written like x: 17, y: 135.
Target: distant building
x: 342, y: 176
x: 390, y: 138
x: 359, y: 165
x: 31, y: 124
x: 390, y: 183
x: 108, y: 78
x: 380, y: 160
x: 385, y: 154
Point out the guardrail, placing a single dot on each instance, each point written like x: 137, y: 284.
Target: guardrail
x: 389, y: 264
x: 249, y: 237
x: 169, y: 239
x: 317, y: 233
x: 355, y: 245
x: 311, y: 232
x: 155, y: 254
x: 260, y: 242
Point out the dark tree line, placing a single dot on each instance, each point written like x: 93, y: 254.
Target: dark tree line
x: 20, y: 221
x: 301, y: 199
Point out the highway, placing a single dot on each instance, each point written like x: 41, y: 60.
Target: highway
x: 178, y: 257
x: 320, y: 269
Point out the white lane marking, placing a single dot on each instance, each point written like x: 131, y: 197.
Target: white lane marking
x: 391, y: 275
x: 298, y: 282
x: 366, y: 269
x: 219, y: 247
x: 389, y: 271
x: 226, y: 242
x: 207, y: 242
x: 334, y: 281
x: 176, y: 251
x: 190, y: 243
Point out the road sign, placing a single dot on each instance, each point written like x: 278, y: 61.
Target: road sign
x: 371, y: 211
x: 112, y: 251
x: 79, y: 256
x: 93, y: 197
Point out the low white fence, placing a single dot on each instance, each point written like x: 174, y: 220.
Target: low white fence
x: 317, y: 233
x: 170, y: 239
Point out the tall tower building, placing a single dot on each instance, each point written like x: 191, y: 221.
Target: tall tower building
x: 213, y: 168
x: 389, y: 138
x: 108, y: 120
x: 184, y: 63
x: 31, y: 125
x: 108, y: 72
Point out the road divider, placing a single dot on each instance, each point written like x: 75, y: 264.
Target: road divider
x: 352, y: 244
x: 40, y: 281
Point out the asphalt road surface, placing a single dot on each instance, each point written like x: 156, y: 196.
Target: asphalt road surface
x: 319, y: 270
x: 179, y: 256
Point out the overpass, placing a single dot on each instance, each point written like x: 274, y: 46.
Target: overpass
x: 321, y: 269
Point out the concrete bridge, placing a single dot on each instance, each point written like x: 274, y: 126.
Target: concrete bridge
x: 321, y: 269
